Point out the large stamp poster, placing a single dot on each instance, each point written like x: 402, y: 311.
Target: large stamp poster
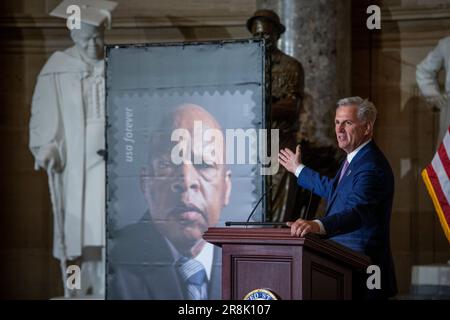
x: 184, y: 122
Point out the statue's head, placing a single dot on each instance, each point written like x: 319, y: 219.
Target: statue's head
x: 87, y: 21
x: 89, y: 40
x: 266, y: 23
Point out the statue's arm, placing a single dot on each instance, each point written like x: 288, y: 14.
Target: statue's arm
x: 289, y: 105
x: 427, y: 71
x: 46, y: 138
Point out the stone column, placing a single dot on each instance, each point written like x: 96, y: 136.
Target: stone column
x: 318, y: 34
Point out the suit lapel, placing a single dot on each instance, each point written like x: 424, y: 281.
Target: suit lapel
x: 173, y: 285
x: 337, y: 186
x: 165, y: 283
x: 162, y: 277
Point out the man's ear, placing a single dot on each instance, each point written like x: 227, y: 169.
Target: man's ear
x: 369, y: 128
x: 227, y: 192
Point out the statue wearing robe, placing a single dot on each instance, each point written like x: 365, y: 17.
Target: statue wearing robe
x: 67, y: 139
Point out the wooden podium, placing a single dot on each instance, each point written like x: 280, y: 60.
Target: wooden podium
x: 307, y: 268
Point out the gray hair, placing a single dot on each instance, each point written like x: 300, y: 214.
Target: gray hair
x: 366, y: 109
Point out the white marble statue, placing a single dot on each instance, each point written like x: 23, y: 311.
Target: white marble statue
x: 427, y: 80
x: 67, y: 139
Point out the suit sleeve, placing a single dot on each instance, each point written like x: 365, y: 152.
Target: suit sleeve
x: 312, y: 180
x: 362, y: 205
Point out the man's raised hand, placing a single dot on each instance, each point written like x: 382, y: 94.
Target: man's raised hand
x: 290, y: 160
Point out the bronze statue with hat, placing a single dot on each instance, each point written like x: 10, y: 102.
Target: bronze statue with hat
x: 287, y: 91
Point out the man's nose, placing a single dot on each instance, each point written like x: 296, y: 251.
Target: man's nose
x: 187, y: 179
x: 340, y: 128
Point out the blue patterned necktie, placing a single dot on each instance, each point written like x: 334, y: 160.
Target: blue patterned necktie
x: 194, y: 275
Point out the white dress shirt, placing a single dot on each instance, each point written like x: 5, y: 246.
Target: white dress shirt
x: 350, y: 157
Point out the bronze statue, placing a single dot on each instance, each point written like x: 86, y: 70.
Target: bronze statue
x: 287, y: 93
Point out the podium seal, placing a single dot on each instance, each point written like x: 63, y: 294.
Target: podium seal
x: 261, y: 294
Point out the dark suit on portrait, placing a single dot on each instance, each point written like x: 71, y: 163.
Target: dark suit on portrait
x: 141, y: 266
x: 359, y: 210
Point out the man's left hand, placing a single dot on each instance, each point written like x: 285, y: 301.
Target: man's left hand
x: 289, y: 159
x: 301, y: 227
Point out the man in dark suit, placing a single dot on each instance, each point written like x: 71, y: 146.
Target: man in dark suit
x: 359, y: 198
x: 186, y: 185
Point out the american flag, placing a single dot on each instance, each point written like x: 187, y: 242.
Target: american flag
x: 437, y: 179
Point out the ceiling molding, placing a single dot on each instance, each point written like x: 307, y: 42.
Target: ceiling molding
x: 24, y: 21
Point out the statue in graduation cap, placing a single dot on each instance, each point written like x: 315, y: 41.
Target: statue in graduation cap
x: 67, y: 139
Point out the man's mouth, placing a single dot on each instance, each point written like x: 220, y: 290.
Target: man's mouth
x: 187, y: 214
x: 188, y: 217
x: 342, y: 138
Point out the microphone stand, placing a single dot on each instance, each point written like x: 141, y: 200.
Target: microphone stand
x: 248, y: 223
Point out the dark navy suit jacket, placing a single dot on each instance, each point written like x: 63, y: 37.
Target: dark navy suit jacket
x: 141, y: 266
x: 359, y: 209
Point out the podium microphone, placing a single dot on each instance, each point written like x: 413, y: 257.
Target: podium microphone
x: 248, y: 223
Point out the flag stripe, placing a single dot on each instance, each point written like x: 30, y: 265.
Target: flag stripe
x: 441, y: 207
x: 434, y: 180
x: 437, y: 180
x: 442, y: 154
x: 442, y: 179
